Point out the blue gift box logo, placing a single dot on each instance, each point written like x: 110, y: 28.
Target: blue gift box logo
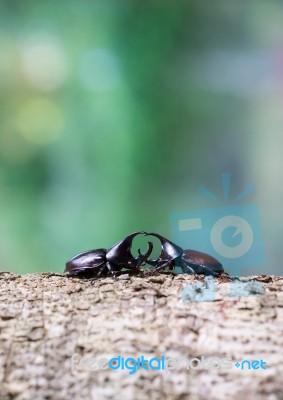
x: 230, y: 233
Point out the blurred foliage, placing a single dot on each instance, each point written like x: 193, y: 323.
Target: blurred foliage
x: 112, y: 114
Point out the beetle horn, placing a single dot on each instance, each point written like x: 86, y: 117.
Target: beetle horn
x: 144, y: 256
x: 168, y: 248
x: 120, y: 253
x: 149, y: 250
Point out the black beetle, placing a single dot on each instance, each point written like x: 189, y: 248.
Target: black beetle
x: 190, y: 261
x: 101, y: 262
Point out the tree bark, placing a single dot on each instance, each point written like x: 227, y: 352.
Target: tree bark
x: 53, y: 328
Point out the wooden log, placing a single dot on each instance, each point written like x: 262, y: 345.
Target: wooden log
x: 55, y: 329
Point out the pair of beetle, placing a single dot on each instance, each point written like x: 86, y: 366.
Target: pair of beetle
x: 102, y: 262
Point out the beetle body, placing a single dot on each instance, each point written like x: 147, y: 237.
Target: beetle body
x: 101, y: 262
x: 89, y: 263
x: 201, y: 263
x: 191, y: 261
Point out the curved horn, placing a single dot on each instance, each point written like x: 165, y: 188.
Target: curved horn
x: 168, y: 247
x: 149, y: 250
x: 120, y: 253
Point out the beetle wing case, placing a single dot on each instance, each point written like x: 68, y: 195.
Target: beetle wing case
x: 89, y: 260
x: 197, y: 258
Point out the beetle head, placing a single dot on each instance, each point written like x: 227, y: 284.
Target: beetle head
x: 120, y: 253
x: 169, y: 252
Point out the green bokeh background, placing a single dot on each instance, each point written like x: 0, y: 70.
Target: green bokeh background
x: 114, y: 113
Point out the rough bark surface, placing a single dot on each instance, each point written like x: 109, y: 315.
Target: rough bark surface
x: 50, y: 324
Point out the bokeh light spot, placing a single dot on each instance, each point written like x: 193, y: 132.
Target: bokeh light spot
x: 40, y: 121
x: 99, y: 70
x: 44, y: 63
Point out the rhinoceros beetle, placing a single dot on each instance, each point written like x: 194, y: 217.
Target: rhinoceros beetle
x: 190, y: 261
x: 101, y: 262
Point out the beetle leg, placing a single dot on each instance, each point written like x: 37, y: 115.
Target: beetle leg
x: 164, y: 265
x: 199, y: 269
x: 187, y: 269
x: 134, y: 265
x: 208, y: 271
x: 102, y: 269
x: 153, y: 263
x: 110, y: 269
